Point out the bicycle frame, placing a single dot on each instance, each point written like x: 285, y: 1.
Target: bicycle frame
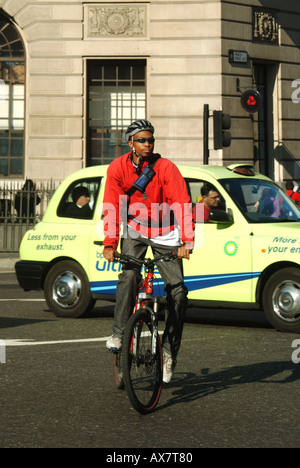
x: 147, y: 284
x: 143, y: 299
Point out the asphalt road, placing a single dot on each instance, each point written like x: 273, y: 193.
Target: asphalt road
x: 235, y: 384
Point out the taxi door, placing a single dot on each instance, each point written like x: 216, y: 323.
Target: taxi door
x: 103, y: 275
x: 220, y: 268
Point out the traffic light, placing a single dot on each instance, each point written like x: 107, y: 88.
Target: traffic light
x: 251, y: 101
x: 222, y: 123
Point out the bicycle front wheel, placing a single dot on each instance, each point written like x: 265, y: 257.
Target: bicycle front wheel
x: 142, y: 362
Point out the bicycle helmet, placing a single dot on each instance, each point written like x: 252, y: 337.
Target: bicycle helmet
x: 138, y: 126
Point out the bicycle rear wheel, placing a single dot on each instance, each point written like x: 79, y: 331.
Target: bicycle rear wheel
x: 142, y: 369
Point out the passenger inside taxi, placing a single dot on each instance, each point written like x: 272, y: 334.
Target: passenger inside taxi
x: 80, y: 206
x: 210, y: 199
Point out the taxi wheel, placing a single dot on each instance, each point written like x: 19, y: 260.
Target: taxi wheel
x: 281, y: 300
x: 67, y: 290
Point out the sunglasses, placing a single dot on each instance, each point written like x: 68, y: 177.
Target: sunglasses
x: 144, y: 140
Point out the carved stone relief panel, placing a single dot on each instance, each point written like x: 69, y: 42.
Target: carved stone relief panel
x: 265, y: 26
x: 115, y: 20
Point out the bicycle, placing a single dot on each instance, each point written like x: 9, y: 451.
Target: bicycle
x: 138, y: 366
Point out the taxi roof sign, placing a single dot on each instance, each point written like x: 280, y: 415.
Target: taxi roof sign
x: 244, y: 169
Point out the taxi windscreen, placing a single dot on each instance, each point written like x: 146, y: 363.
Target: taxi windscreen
x: 261, y: 201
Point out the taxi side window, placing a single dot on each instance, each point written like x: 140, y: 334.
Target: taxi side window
x: 79, y: 200
x: 194, y: 188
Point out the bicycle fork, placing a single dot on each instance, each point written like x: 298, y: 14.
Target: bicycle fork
x: 154, y: 323
x: 143, y: 301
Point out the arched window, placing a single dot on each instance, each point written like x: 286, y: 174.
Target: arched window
x: 12, y: 99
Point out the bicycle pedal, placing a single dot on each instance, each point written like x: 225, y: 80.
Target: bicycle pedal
x: 115, y: 350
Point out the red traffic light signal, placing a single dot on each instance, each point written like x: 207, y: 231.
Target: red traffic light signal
x: 251, y: 101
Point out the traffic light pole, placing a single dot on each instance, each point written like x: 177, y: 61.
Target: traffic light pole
x: 205, y: 134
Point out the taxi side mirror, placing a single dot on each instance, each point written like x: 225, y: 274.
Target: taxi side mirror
x: 221, y: 217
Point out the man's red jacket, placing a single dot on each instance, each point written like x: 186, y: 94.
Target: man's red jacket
x: 156, y: 212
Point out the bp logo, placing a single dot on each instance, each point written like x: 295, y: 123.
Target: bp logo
x: 230, y: 248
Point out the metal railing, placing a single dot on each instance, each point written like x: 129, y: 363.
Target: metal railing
x: 21, y: 207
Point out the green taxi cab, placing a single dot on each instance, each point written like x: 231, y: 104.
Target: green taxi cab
x: 245, y: 257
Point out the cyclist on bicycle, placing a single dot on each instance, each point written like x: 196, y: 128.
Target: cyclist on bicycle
x: 158, y: 215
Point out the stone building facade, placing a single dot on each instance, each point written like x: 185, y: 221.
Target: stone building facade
x: 74, y: 73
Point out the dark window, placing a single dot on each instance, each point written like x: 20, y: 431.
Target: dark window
x: 261, y: 201
x: 116, y: 97
x: 194, y: 187
x: 80, y: 199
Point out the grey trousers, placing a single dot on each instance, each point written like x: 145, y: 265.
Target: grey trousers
x: 127, y: 288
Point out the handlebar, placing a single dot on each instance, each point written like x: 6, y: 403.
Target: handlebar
x: 147, y: 262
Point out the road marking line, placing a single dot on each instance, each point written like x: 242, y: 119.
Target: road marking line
x: 22, y: 300
x: 28, y: 342
x: 25, y: 342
